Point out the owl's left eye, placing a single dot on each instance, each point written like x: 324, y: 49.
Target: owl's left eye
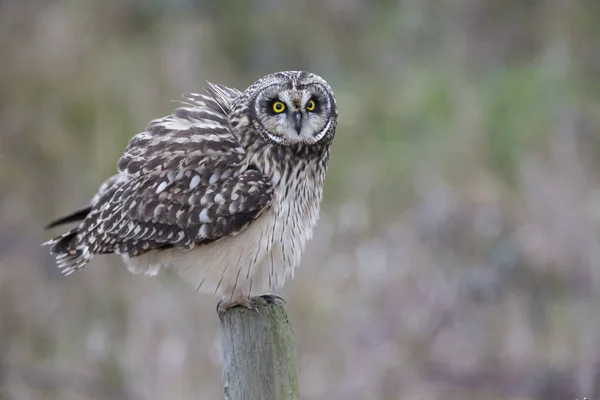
x: 310, y: 105
x: 278, y: 107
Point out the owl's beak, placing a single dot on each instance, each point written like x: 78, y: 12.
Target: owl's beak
x: 298, y: 121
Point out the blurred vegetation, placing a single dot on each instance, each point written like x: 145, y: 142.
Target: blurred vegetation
x: 458, y: 253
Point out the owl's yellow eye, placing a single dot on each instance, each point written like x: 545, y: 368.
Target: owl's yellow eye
x: 310, y: 105
x: 278, y: 107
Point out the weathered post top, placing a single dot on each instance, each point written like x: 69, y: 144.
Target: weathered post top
x: 259, y: 354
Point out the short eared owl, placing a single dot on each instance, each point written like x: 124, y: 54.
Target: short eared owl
x: 226, y: 190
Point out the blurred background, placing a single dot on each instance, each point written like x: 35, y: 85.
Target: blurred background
x: 458, y: 251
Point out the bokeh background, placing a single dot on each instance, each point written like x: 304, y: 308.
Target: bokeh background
x: 458, y: 252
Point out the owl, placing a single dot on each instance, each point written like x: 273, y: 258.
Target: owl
x: 226, y: 190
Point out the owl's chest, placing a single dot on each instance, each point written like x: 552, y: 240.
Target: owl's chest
x: 295, y: 212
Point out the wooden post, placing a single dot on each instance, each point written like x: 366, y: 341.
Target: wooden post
x: 259, y: 354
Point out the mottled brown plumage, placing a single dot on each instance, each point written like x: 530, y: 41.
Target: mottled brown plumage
x: 226, y: 190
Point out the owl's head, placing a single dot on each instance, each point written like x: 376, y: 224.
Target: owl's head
x: 292, y: 107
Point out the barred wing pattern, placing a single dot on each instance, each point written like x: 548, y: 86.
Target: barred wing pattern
x: 188, y: 138
x: 143, y: 214
x: 183, y: 182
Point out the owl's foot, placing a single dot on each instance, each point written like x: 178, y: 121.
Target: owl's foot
x: 272, y: 298
x: 250, y: 303
x: 224, y: 305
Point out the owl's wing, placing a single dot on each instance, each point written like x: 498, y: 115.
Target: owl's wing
x: 154, y: 211
x: 80, y: 214
x: 187, y: 183
x: 191, y: 136
x: 182, y: 182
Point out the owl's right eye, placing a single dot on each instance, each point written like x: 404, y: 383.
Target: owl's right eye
x: 278, y: 107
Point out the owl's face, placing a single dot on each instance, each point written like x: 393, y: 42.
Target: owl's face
x: 293, y: 107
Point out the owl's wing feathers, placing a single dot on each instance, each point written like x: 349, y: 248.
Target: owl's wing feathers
x: 80, y: 214
x: 153, y: 212
x: 224, y: 96
x: 188, y: 182
x: 184, y: 182
x: 186, y: 138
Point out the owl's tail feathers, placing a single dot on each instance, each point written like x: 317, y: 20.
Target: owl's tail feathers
x: 68, y: 257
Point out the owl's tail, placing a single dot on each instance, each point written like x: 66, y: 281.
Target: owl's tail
x: 68, y: 256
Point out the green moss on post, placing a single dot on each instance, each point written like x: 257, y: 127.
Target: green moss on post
x: 259, y: 354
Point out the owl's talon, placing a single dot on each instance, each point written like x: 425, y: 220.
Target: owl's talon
x: 251, y: 305
x: 272, y: 298
x: 223, y: 306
